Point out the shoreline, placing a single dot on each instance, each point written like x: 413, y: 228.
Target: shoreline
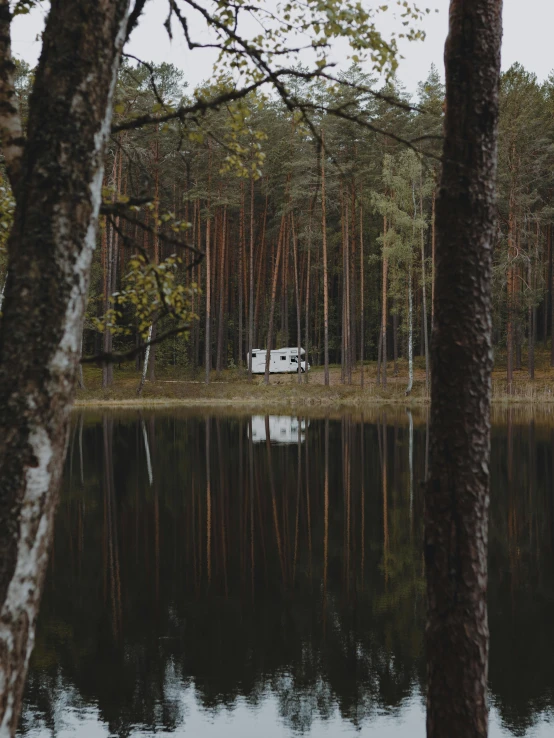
x: 233, y: 392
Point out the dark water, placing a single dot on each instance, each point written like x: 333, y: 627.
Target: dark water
x: 206, y: 583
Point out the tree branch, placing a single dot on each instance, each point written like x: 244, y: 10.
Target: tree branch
x: 113, y: 357
x: 134, y: 16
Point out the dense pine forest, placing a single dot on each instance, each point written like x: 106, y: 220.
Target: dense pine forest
x: 313, y: 227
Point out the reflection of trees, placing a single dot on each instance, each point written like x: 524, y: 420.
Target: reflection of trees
x: 127, y: 630
x: 521, y: 589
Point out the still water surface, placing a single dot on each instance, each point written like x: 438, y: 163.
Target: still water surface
x: 210, y: 579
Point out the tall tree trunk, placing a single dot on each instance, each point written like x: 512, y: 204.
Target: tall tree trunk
x: 433, y: 250
x: 57, y: 186
x: 307, y: 309
x: 151, y: 362
x: 362, y: 326
x: 221, y: 318
x: 273, y: 296
x: 410, y: 330
x: 384, y: 306
x: 251, y: 279
x: 424, y: 293
x: 457, y: 493
x: 510, y: 298
x: 551, y: 295
x: 208, y: 323
x: 297, y: 296
x: 325, y: 275
x: 240, y: 277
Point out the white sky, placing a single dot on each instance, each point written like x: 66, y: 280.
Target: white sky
x: 527, y: 39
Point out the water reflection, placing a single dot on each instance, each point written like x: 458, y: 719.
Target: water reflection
x: 278, y: 428
x: 205, y: 584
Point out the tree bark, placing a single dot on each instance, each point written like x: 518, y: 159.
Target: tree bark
x: 457, y: 493
x: 58, y: 194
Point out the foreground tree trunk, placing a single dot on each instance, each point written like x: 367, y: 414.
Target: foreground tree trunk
x: 457, y: 495
x: 57, y: 179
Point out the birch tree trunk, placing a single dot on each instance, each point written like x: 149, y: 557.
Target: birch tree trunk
x: 410, y: 331
x: 57, y: 179
x: 457, y: 493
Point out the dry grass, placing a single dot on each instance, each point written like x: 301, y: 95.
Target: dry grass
x: 231, y: 389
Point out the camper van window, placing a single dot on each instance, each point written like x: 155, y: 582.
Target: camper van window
x: 283, y: 358
x: 294, y: 359
x: 253, y: 356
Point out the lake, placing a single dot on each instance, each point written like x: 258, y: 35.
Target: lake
x: 263, y: 576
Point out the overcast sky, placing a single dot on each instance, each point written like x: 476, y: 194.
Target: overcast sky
x: 528, y: 28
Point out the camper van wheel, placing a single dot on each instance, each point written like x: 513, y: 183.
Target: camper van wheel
x: 302, y: 370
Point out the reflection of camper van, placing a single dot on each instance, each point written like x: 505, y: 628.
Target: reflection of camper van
x: 281, y: 361
x: 282, y: 429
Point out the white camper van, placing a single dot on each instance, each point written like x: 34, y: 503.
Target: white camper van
x: 282, y: 429
x: 281, y: 361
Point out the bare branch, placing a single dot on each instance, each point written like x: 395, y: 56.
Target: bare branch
x: 183, y: 111
x: 119, y: 208
x: 153, y: 84
x: 113, y: 357
x: 163, y: 237
x: 134, y: 16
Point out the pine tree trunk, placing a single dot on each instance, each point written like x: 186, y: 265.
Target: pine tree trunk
x: 240, y: 277
x: 307, y: 308
x: 362, y: 326
x: 221, y: 317
x: 433, y: 249
x: 251, y: 279
x: 57, y: 188
x: 325, y: 275
x: 207, y: 260
x: 384, y: 307
x: 273, y: 296
x: 424, y: 297
x: 457, y: 493
x: 510, y: 298
x: 297, y: 296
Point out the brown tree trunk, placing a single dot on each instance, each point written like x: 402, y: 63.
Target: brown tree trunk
x: 424, y: 294
x: 510, y: 298
x: 307, y: 315
x: 384, y: 307
x: 325, y: 275
x: 362, y: 299
x: 273, y: 296
x: 240, y: 277
x: 457, y: 494
x: 208, y: 323
x: 57, y: 187
x: 221, y: 318
x: 297, y: 298
x: 251, y: 279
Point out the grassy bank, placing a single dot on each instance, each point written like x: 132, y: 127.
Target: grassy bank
x: 231, y: 389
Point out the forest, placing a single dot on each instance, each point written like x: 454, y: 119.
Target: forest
x: 149, y: 230
x: 300, y: 222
